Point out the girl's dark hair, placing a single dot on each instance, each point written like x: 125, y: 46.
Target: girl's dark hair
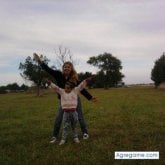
x: 72, y: 84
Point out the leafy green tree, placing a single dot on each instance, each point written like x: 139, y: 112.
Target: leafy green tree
x: 24, y: 87
x: 13, y: 87
x: 33, y: 72
x: 3, y: 89
x: 110, y: 67
x: 99, y: 80
x: 158, y: 71
x: 85, y: 75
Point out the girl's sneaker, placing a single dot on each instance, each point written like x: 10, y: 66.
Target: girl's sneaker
x: 53, y: 139
x: 76, y: 140
x: 62, y: 142
x: 85, y: 136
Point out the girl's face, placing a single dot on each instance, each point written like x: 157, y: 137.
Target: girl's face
x: 67, y: 69
x: 68, y: 89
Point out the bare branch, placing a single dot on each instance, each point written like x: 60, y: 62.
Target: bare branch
x: 63, y: 54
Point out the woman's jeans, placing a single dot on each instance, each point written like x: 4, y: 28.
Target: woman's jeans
x: 59, y: 117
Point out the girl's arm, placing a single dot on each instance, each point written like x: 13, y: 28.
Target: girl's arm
x: 54, y: 86
x: 81, y: 86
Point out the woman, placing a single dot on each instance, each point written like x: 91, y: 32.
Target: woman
x: 68, y: 74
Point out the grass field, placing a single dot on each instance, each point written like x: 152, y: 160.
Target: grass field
x: 125, y: 119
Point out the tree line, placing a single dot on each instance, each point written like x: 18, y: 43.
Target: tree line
x: 109, y: 70
x: 108, y: 75
x: 14, y: 87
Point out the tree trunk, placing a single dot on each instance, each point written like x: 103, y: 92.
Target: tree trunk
x: 38, y: 91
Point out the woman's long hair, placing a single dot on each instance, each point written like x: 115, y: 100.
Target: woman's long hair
x: 73, y: 74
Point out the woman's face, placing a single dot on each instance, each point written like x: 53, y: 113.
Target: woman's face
x: 67, y: 69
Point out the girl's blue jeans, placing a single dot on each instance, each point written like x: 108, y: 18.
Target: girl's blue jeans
x: 59, y: 117
x: 70, y: 118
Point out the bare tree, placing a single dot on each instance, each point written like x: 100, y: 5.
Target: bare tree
x: 63, y: 54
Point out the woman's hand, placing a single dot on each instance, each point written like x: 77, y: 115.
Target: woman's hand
x: 94, y: 99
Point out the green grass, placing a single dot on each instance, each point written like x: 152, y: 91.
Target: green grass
x: 125, y: 119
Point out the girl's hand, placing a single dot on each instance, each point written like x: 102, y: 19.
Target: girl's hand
x: 47, y: 81
x: 88, y: 79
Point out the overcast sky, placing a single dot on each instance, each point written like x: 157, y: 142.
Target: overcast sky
x: 131, y: 30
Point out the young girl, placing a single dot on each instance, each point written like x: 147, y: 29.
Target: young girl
x: 69, y: 103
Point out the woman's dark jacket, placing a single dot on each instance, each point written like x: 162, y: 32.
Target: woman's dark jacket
x: 61, y: 79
